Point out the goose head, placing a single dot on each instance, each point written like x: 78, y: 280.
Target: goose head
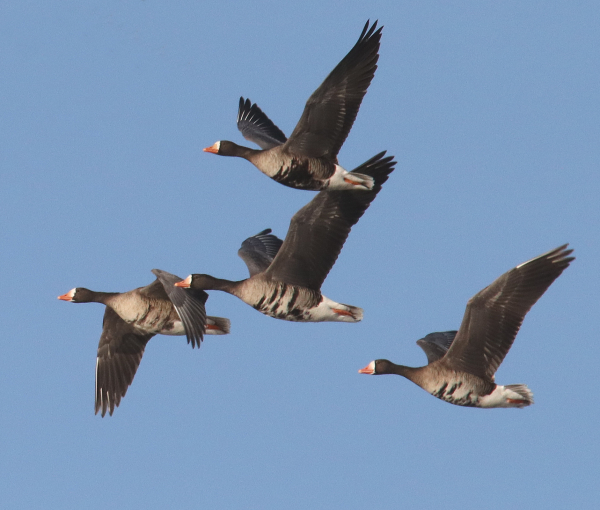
x: 78, y: 295
x: 198, y: 281
x: 378, y: 367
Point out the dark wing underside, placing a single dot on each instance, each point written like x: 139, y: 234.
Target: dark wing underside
x: 319, y: 230
x: 495, y: 314
x: 189, y: 304
x: 119, y: 354
x: 259, y: 251
x: 256, y: 127
x: 436, y: 345
x: 332, y: 108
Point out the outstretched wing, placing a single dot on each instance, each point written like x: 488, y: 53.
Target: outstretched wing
x: 120, y: 352
x: 495, y: 314
x: 189, y: 304
x: 259, y: 251
x: 256, y: 127
x: 319, y: 230
x: 331, y: 110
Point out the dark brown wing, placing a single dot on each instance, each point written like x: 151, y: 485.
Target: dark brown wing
x: 319, y: 230
x: 119, y: 354
x: 189, y: 304
x: 332, y: 108
x: 494, y: 315
x: 436, y: 345
x: 259, y: 251
x: 256, y: 127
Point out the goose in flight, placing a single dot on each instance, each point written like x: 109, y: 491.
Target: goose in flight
x: 308, y: 159
x: 285, y: 278
x: 131, y: 319
x: 461, y: 365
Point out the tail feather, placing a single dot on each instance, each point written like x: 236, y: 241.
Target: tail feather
x: 217, y: 326
x: 357, y: 313
x: 378, y: 169
x: 343, y: 313
x: 525, y: 395
x: 362, y: 180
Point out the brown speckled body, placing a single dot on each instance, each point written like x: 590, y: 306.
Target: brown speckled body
x: 148, y: 314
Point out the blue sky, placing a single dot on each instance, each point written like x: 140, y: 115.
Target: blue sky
x: 491, y: 109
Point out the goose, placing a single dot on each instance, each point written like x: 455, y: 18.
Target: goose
x: 285, y: 282
x: 308, y: 159
x: 131, y: 319
x: 461, y: 364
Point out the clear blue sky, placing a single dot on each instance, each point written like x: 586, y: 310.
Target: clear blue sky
x: 492, y: 110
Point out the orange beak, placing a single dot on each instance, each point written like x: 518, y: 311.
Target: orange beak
x: 66, y: 297
x: 214, y: 149
x: 185, y: 283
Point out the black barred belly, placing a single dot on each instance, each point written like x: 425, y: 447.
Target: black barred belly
x: 298, y: 175
x: 288, y: 302
x: 454, y: 393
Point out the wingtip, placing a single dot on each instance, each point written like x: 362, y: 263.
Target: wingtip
x: 563, y: 253
x: 559, y: 256
x: 370, y: 32
x: 196, y: 337
x: 243, y: 109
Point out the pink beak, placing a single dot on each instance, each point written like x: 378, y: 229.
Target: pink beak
x: 369, y: 369
x: 185, y: 283
x: 213, y: 149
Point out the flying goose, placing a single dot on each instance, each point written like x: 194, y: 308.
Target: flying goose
x: 131, y: 319
x: 461, y: 365
x: 286, y: 282
x: 308, y: 160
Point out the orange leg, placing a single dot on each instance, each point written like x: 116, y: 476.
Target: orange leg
x: 342, y: 312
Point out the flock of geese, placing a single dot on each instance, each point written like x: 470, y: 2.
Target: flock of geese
x: 285, y: 277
